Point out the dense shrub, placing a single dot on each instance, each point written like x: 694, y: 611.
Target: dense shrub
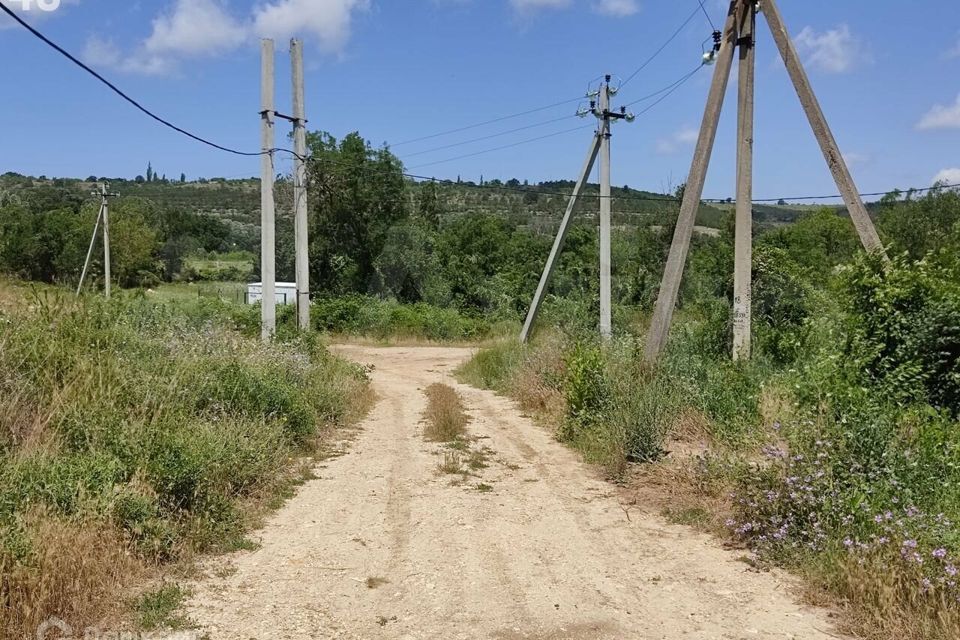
x: 383, y: 319
x: 903, y: 323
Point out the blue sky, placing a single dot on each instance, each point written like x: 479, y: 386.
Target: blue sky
x: 888, y: 79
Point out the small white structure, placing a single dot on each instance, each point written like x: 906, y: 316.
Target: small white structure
x: 286, y: 293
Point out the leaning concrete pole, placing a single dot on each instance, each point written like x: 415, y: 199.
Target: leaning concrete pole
x: 818, y: 122
x: 93, y: 241
x: 300, y: 187
x: 670, y: 286
x: 541, y: 293
x: 268, y: 266
x: 606, y: 297
x: 743, y: 252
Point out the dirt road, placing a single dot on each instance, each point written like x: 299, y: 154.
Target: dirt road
x: 383, y: 546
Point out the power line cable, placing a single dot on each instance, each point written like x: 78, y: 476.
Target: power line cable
x: 667, y: 90
x: 656, y: 53
x: 672, y: 198
x: 126, y: 97
x: 670, y: 88
x: 506, y: 146
x: 707, y: 14
x: 489, y: 137
x: 487, y: 122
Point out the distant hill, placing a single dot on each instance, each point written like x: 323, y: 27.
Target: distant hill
x: 237, y: 201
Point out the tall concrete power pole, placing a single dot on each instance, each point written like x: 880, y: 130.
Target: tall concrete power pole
x: 268, y: 267
x: 606, y: 298
x: 743, y: 249
x: 300, y: 187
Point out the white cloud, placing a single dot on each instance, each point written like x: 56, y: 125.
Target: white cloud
x: 682, y: 138
x: 105, y: 54
x: 941, y: 117
x: 833, y: 51
x: 947, y: 176
x: 529, y: 6
x: 616, y: 8
x: 193, y: 29
x: 327, y: 20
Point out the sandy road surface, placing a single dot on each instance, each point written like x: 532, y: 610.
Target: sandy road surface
x: 547, y: 554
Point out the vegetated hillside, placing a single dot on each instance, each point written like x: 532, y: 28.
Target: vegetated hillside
x: 237, y: 201
x: 541, y: 205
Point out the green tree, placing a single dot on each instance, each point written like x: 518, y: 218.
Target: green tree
x: 357, y: 194
x: 428, y: 204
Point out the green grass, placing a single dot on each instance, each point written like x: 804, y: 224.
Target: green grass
x: 158, y: 609
x: 158, y: 427
x: 233, y: 292
x: 388, y: 320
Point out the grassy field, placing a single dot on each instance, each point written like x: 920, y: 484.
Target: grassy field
x: 233, y: 292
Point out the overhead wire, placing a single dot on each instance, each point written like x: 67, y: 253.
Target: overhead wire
x: 707, y: 14
x: 69, y: 56
x: 491, y: 136
x: 667, y: 91
x: 633, y: 75
x: 656, y: 53
x: 506, y: 146
x: 487, y: 122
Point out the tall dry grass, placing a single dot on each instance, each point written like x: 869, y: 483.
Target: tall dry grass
x: 445, y: 417
x: 73, y: 571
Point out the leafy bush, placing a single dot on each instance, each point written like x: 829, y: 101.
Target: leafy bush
x: 904, y: 326
x: 587, y: 389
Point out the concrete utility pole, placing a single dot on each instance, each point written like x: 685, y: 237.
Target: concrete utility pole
x: 743, y: 252
x: 268, y: 266
x: 670, y: 285
x: 300, y: 187
x: 606, y: 298
x: 599, y: 146
x: 107, y: 272
x: 102, y: 215
x: 742, y: 15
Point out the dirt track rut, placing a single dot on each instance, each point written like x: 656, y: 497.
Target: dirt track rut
x: 549, y: 553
